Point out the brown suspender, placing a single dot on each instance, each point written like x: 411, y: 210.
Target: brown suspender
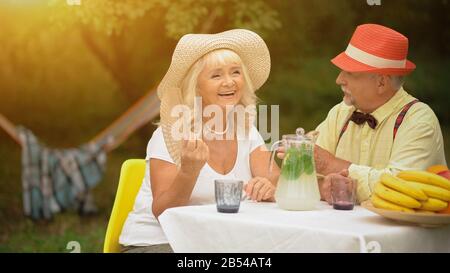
x: 402, y: 114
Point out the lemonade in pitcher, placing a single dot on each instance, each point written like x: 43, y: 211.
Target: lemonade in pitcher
x: 297, y: 187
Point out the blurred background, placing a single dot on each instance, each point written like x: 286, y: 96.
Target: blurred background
x: 69, y: 69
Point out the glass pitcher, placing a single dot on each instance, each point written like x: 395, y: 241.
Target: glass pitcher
x: 297, y: 187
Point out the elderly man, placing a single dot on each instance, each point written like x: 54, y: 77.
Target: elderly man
x: 378, y: 127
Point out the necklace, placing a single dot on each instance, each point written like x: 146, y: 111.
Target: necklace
x: 215, y: 132
x: 226, y: 128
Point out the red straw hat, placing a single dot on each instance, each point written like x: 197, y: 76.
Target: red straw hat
x: 378, y: 49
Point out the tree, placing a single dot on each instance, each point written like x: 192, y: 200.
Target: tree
x: 105, y: 26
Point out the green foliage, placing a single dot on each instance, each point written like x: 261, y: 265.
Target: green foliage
x: 184, y: 16
x: 298, y: 161
x: 255, y: 15
x: 114, y: 39
x: 304, y: 94
x: 181, y: 16
x: 429, y: 83
x: 105, y: 16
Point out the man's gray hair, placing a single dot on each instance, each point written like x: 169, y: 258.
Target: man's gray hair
x: 397, y: 81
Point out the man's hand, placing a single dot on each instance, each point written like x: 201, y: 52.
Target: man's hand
x: 322, y: 158
x: 327, y: 163
x: 260, y: 189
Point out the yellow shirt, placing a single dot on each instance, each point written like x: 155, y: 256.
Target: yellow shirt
x: 417, y: 145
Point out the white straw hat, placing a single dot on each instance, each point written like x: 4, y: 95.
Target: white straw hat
x: 248, y: 45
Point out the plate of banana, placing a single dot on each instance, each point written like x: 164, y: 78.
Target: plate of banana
x: 417, y: 197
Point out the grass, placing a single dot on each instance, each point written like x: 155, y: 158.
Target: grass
x: 55, y: 236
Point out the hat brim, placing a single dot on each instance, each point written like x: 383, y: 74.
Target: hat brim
x: 250, y: 47
x: 344, y: 62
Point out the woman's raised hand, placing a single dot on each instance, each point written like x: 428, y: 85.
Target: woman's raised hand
x: 194, y: 155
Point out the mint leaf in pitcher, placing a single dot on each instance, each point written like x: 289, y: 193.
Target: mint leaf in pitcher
x: 307, y: 163
x: 292, y: 166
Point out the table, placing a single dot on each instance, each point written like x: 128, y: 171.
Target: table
x: 265, y: 228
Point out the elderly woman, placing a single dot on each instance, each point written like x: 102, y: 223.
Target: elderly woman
x: 224, y: 70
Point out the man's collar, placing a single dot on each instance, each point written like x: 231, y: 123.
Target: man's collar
x: 390, y: 106
x: 382, y: 112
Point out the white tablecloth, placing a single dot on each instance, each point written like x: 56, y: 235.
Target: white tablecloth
x: 263, y: 227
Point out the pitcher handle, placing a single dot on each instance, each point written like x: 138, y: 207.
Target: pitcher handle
x: 272, y: 155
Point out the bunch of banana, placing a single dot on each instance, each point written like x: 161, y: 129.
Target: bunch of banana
x: 426, y: 178
x: 383, y: 204
x: 393, y: 193
x: 412, y: 191
x: 436, y: 187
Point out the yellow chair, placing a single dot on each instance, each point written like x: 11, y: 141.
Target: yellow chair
x: 130, y: 180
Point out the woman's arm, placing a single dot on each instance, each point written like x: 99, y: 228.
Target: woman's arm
x: 172, y: 187
x: 259, y: 163
x: 263, y: 184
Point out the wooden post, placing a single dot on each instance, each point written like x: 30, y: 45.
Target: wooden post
x: 10, y: 129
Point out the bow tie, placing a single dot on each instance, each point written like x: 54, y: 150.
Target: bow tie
x: 359, y: 118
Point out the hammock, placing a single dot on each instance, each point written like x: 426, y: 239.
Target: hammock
x: 54, y: 180
x: 139, y: 114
